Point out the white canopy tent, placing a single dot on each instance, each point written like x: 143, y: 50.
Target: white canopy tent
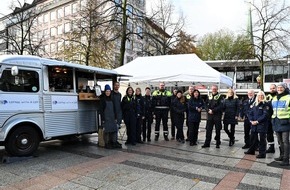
x: 174, y: 70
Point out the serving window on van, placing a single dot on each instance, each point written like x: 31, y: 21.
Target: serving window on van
x: 60, y: 79
x: 24, y: 81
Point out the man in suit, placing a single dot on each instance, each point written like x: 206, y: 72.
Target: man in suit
x: 246, y: 106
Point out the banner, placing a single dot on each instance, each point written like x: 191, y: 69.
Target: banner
x: 64, y: 102
x: 19, y: 102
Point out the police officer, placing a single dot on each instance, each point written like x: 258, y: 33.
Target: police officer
x: 148, y: 120
x: 161, y: 100
x: 140, y: 109
x: 129, y: 111
x: 270, y: 133
x: 172, y: 118
x: 187, y: 98
x: 246, y: 106
x: 214, y: 108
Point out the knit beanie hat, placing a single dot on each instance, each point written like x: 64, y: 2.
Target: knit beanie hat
x: 284, y: 85
x: 107, y: 87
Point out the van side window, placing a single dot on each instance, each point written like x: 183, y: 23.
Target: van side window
x: 60, y: 79
x: 25, y: 81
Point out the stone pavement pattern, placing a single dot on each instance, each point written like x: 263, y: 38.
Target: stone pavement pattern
x: 153, y: 165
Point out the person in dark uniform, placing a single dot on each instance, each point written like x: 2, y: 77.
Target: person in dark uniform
x: 109, y: 119
x: 270, y: 133
x: 161, y: 101
x: 128, y: 105
x: 187, y: 98
x: 140, y: 113
x: 194, y: 106
x: 148, y: 119
x: 258, y: 117
x: 173, y: 124
x: 231, y: 109
x: 117, y: 97
x: 214, y: 106
x: 246, y: 106
x: 179, y: 107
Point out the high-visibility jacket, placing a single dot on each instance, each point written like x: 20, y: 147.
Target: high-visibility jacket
x: 281, y: 107
x: 161, y: 99
x: 281, y: 113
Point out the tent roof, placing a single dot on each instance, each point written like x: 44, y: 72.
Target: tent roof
x: 183, y: 69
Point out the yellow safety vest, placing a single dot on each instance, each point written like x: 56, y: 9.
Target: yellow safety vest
x: 159, y: 93
x: 281, y: 107
x: 269, y: 97
x: 216, y: 97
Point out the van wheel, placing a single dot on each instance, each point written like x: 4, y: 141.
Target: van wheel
x: 23, y: 141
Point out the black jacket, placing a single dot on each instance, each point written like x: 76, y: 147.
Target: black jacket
x: 231, y: 109
x: 215, y: 103
x: 148, y: 107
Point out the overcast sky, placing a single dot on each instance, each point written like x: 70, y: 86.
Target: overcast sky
x: 203, y: 16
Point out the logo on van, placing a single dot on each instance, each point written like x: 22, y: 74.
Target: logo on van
x: 54, y: 102
x: 3, y: 101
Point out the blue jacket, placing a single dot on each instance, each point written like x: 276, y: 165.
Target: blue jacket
x: 193, y: 114
x: 246, y: 107
x: 260, y: 113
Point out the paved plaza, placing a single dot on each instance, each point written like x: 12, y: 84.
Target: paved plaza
x: 81, y: 164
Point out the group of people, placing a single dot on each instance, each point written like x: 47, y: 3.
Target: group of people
x: 262, y: 116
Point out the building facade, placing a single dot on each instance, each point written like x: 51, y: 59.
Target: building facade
x: 53, y: 21
x: 246, y: 72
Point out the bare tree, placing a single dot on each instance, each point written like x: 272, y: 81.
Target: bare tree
x: 90, y: 40
x: 99, y: 28
x: 169, y: 26
x: 129, y: 22
x: 20, y: 37
x: 270, y: 30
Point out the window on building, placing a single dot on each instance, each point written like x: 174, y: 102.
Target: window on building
x: 67, y: 10
x: 129, y: 11
x: 45, y: 33
x: 129, y: 45
x: 25, y: 81
x: 130, y: 26
x: 278, y: 73
x: 59, y: 13
x: 46, y: 49
x: 52, y: 15
x: 139, y: 32
x: 59, y: 45
x: 83, y: 4
x: 74, y: 8
x: 53, y: 31
x: 46, y: 17
x: 67, y: 27
x: 59, y: 29
x: 52, y: 48
x: 275, y: 73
